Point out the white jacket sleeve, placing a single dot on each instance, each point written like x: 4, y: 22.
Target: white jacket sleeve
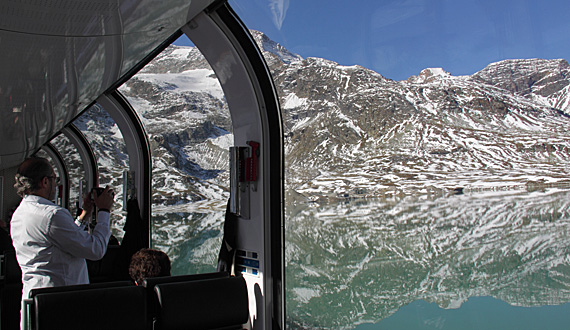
x: 65, y: 234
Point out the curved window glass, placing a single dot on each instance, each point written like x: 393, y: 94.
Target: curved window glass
x: 76, y: 172
x: 181, y: 104
x: 109, y: 148
x: 427, y: 157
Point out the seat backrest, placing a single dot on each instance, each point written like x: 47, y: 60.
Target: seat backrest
x: 30, y: 313
x: 119, y: 307
x: 150, y: 283
x: 206, y: 304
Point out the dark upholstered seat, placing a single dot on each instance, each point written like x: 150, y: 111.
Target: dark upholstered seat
x: 220, y: 303
x: 150, y: 283
x: 200, y: 301
x: 115, y: 307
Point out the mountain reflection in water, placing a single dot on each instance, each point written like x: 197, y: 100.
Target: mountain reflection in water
x: 353, y: 264
x: 191, y: 239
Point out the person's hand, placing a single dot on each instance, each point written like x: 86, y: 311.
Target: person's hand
x: 105, y: 200
x: 87, y: 208
x: 88, y: 204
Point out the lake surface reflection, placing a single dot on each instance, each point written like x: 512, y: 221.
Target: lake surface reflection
x: 361, y: 262
x: 371, y: 264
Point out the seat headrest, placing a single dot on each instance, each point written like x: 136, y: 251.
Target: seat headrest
x: 152, y: 281
x: 79, y: 287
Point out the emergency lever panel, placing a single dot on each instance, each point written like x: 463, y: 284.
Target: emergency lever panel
x: 244, y: 162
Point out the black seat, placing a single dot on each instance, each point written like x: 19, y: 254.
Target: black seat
x: 10, y: 292
x: 220, y: 303
x: 117, y: 305
x: 150, y: 283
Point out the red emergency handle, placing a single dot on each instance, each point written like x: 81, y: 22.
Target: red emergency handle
x: 251, y: 162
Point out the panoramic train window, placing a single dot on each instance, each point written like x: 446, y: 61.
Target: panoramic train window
x: 109, y: 148
x: 76, y: 172
x: 427, y: 161
x: 182, y: 107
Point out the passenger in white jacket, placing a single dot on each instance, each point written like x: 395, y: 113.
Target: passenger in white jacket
x: 51, y: 246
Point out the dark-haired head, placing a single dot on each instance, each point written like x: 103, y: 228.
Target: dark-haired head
x: 30, y: 173
x: 148, y: 263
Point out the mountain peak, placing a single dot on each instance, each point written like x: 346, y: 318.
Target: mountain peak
x: 269, y: 46
x: 429, y: 75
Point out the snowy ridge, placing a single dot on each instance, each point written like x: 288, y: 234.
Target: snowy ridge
x: 199, y: 80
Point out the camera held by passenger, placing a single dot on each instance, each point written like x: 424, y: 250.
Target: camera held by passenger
x: 96, y: 191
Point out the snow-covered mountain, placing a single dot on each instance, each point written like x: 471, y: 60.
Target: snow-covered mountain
x: 183, y: 109
x: 350, y: 132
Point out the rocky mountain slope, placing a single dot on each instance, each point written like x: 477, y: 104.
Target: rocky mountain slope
x: 349, y: 132
x: 184, y: 112
x: 352, y: 132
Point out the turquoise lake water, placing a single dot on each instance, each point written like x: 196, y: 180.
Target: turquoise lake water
x: 478, y: 313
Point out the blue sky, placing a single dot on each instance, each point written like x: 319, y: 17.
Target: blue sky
x: 399, y: 38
